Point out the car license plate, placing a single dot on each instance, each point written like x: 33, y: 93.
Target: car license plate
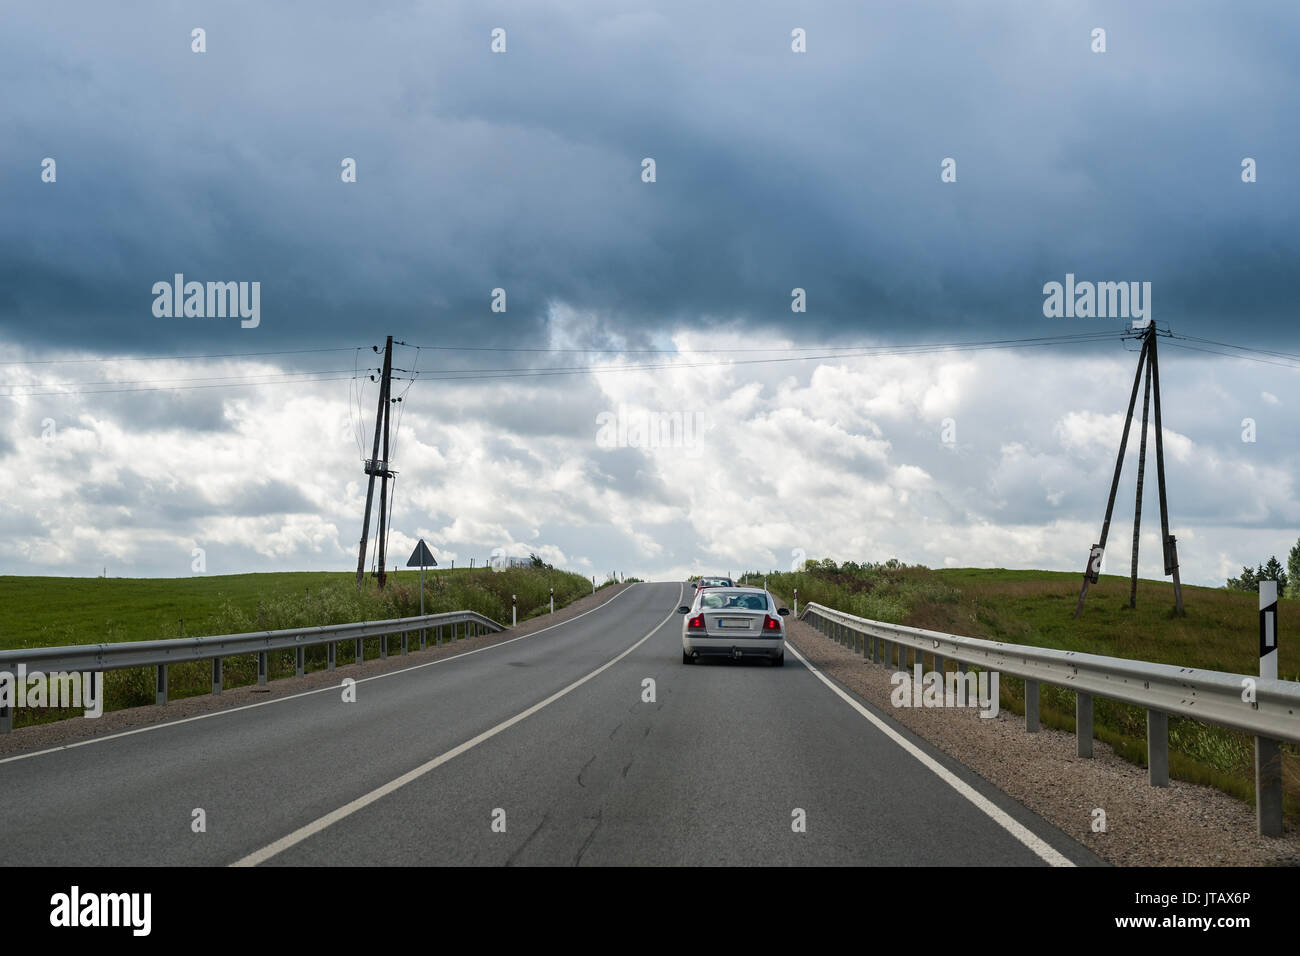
x: 733, y: 622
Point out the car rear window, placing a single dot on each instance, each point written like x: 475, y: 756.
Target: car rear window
x: 721, y: 600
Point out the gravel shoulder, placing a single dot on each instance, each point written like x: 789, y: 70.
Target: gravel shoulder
x: 64, y: 732
x: 1182, y: 825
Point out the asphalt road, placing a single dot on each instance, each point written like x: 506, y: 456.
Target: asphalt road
x: 537, y: 752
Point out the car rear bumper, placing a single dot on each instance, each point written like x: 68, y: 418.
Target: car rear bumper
x: 768, y: 647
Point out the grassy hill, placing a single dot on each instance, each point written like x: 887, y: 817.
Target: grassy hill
x: 44, y: 611
x: 1219, y: 631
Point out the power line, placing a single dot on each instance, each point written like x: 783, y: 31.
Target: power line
x: 1239, y: 348
x: 156, y: 381
x: 1064, y: 337
x: 168, y: 388
x: 162, y: 358
x: 1244, y: 358
x: 454, y: 375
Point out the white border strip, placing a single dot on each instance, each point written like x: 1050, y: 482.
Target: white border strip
x: 306, y: 693
x: 999, y: 816
x: 316, y: 826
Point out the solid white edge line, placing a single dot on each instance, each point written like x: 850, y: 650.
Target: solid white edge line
x: 999, y: 816
x: 306, y: 693
x: 316, y: 826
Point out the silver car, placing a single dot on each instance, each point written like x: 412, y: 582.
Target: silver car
x: 733, y: 622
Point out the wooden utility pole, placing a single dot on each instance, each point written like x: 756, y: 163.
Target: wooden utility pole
x: 377, y: 467
x: 1148, y: 362
x: 1137, y: 505
x: 1092, y: 569
x: 1170, y: 543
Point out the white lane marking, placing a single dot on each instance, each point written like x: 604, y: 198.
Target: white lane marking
x: 316, y: 826
x: 999, y: 816
x: 307, y: 693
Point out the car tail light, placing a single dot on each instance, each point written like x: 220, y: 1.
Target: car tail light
x: 696, y: 623
x: 771, y: 623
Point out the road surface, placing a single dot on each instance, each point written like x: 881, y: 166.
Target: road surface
x: 538, y: 751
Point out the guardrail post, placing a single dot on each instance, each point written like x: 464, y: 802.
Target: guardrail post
x: 1268, y: 787
x: 383, y: 646
x: 161, y: 696
x: 404, y: 643
x: 7, y: 711
x: 218, y: 677
x: 422, y: 635
x: 330, y: 654
x: 437, y: 636
x: 1158, y: 748
x: 300, y: 661
x: 962, y: 667
x: 1032, y: 724
x: 876, y: 644
x: 939, y: 666
x: 360, y: 650
x: 902, y: 657
x: 261, y: 667
x: 1083, y: 723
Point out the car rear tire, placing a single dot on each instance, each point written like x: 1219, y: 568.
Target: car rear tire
x: 687, y: 659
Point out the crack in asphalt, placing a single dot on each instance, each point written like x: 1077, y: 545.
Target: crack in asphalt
x: 523, y: 846
x: 590, y: 836
x: 584, y: 770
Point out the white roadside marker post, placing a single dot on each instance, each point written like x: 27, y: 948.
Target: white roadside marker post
x: 514, y: 610
x: 1268, y: 753
x: 796, y: 602
x: 1268, y: 629
x: 552, y: 600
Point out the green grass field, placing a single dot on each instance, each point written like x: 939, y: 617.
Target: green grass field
x: 1219, y: 631
x: 47, y: 611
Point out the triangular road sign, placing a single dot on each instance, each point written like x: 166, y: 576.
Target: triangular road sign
x: 422, y: 557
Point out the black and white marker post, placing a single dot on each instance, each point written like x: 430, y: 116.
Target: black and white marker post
x: 1268, y: 753
x: 1268, y: 629
x: 552, y: 600
x: 514, y: 610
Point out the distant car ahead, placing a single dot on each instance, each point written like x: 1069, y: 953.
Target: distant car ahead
x: 733, y: 622
x: 715, y: 583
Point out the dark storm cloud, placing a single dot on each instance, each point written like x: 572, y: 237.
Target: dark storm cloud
x: 521, y: 170
x: 199, y: 410
x: 569, y: 412
x: 143, y: 496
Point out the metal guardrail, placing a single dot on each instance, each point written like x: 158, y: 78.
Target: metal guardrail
x: 1267, y: 709
x: 84, y: 658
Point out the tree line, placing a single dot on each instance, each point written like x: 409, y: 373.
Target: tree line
x: 1271, y: 570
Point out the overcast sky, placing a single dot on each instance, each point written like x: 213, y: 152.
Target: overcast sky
x: 523, y: 171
